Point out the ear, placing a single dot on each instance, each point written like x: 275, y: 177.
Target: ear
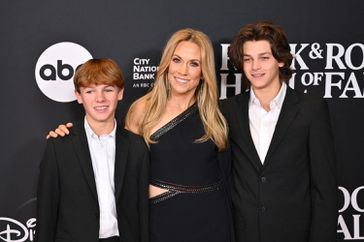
x: 79, y: 97
x: 280, y: 64
x: 121, y: 94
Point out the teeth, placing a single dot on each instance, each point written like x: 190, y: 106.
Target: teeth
x: 181, y: 80
x: 257, y: 75
x: 101, y: 108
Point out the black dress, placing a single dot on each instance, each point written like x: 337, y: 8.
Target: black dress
x: 196, y: 208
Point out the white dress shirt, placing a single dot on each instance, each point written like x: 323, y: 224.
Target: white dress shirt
x: 262, y: 123
x: 102, y: 151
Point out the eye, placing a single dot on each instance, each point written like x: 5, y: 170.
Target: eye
x: 265, y: 57
x: 109, y: 89
x: 247, y: 59
x: 88, y: 91
x: 195, y: 64
x: 176, y: 59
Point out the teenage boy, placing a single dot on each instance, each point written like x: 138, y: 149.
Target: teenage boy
x: 93, y: 183
x: 283, y: 174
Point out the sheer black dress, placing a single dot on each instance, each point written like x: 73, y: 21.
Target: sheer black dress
x: 196, y: 208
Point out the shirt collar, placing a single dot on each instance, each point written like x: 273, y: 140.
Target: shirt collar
x: 277, y: 102
x: 91, y: 134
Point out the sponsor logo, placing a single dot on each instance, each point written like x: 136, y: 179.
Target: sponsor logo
x: 143, y: 72
x: 55, y: 69
x: 12, y: 230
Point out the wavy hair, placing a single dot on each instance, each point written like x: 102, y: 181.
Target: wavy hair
x: 262, y: 31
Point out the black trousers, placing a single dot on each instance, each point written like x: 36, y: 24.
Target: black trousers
x: 110, y: 239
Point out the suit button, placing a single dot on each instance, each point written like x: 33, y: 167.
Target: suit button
x: 263, y: 179
x: 262, y: 209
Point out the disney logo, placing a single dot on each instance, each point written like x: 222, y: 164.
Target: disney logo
x: 12, y: 230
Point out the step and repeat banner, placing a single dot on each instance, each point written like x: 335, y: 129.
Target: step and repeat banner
x: 42, y: 43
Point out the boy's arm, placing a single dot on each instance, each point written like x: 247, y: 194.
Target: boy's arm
x: 47, y: 196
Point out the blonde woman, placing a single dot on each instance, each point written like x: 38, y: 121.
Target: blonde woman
x: 180, y: 121
x: 187, y: 137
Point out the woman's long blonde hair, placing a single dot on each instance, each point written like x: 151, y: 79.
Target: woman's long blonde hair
x: 206, y: 93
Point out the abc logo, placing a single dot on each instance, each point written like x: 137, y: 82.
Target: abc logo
x: 56, y: 67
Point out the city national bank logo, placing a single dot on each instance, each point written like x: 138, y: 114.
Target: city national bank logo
x: 143, y: 73
x: 12, y: 230
x: 55, y: 69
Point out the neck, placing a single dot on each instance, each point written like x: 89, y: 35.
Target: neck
x: 181, y: 102
x: 101, y: 128
x: 265, y: 96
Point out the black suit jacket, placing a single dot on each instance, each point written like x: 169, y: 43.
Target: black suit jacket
x: 67, y: 203
x: 293, y: 196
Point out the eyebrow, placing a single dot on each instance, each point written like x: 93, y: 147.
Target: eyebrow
x: 182, y: 58
x: 260, y: 54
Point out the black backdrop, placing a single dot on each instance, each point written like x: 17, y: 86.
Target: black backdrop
x: 327, y: 38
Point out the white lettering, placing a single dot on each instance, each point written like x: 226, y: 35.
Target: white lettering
x: 354, y: 199
x: 141, y: 76
x: 343, y: 228
x: 297, y: 56
x: 224, y: 85
x: 346, y: 195
x: 348, y: 55
x: 139, y: 61
x: 329, y: 83
x: 330, y: 58
x: 224, y: 57
x: 352, y: 85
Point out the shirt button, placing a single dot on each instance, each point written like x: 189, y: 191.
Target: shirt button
x: 263, y: 179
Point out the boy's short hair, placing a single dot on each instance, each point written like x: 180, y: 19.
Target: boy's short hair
x: 98, y: 71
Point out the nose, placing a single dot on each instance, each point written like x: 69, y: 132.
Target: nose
x: 183, y: 69
x: 100, y: 97
x: 256, y: 65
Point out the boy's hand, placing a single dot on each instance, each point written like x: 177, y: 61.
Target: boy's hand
x: 62, y: 130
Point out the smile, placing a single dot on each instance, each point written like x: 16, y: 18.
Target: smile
x: 257, y: 75
x: 101, y: 108
x: 181, y: 80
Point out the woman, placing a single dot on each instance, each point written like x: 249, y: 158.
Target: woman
x: 180, y: 120
x: 187, y: 136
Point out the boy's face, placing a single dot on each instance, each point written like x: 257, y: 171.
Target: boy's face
x: 260, y: 66
x: 99, y: 102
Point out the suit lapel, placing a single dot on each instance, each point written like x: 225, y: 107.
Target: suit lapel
x: 242, y: 118
x: 82, y: 151
x: 288, y: 113
x: 121, y: 158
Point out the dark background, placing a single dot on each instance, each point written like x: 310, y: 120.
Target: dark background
x: 128, y: 29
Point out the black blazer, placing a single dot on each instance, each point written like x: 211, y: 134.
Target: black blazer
x: 67, y: 204
x: 293, y: 196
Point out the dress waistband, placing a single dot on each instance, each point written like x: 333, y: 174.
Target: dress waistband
x: 175, y: 189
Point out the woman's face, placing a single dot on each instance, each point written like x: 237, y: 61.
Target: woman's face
x: 184, y: 71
